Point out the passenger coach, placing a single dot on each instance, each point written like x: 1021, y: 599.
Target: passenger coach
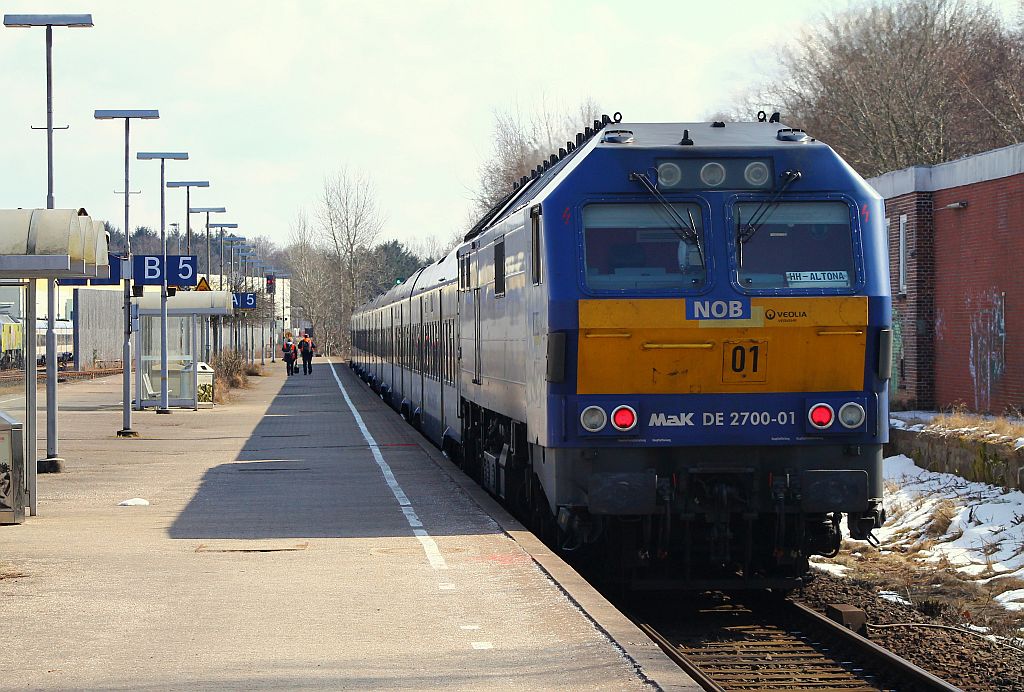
x: 670, y: 344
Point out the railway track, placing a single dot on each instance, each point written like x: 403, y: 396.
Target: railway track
x: 761, y: 644
x: 16, y: 376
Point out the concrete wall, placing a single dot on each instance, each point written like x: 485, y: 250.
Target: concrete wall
x: 99, y: 328
x: 996, y: 463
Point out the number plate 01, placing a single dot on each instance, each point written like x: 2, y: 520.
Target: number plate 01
x: 745, y: 361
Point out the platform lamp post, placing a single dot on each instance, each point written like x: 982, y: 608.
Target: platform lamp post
x: 220, y: 280
x: 231, y: 240
x: 208, y: 335
x: 163, y: 156
x: 246, y: 259
x: 271, y: 271
x: 188, y: 185
x: 53, y: 462
x: 126, y: 348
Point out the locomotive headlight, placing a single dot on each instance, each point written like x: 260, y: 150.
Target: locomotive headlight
x: 821, y: 416
x: 712, y: 174
x: 756, y: 173
x: 851, y: 415
x: 624, y: 418
x: 593, y: 419
x: 669, y: 174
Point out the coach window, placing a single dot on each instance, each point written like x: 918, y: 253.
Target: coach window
x: 794, y: 245
x: 499, y: 267
x: 644, y: 247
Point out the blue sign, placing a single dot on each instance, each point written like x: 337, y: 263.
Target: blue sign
x: 148, y: 270
x: 715, y: 309
x: 244, y: 301
x: 114, y: 280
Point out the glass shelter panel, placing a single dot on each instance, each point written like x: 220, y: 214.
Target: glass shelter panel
x: 180, y: 378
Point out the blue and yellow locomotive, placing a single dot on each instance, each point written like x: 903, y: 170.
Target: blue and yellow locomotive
x: 670, y: 346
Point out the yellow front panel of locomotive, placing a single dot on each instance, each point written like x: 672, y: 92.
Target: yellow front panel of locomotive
x: 637, y: 346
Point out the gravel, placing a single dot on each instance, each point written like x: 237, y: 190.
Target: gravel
x: 966, y: 660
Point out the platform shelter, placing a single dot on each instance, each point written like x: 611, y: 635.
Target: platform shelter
x: 185, y: 373
x: 41, y: 244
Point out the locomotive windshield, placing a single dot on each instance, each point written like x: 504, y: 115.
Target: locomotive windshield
x: 794, y: 245
x: 642, y: 247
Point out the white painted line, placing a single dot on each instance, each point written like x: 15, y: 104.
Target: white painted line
x: 469, y: 627
x: 429, y: 546
x: 482, y: 645
x: 410, y: 515
x: 446, y: 587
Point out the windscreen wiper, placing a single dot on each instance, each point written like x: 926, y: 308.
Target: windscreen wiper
x: 688, y: 231
x: 757, y: 219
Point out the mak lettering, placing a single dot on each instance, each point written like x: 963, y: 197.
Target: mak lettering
x: 659, y: 420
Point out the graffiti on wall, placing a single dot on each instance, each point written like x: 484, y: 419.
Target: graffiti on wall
x: 897, y: 354
x: 987, y: 353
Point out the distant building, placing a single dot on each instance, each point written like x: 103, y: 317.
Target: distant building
x: 956, y: 240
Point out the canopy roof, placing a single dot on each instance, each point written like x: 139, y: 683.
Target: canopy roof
x: 52, y: 243
x: 185, y: 303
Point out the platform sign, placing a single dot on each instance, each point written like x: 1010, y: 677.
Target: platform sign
x: 148, y: 270
x: 244, y: 301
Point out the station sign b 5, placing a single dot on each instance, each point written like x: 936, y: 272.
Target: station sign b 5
x: 149, y: 271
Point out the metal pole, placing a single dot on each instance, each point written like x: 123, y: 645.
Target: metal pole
x: 53, y: 462
x: 208, y: 321
x: 195, y: 363
x: 188, y: 223
x: 126, y: 349
x: 220, y: 285
x: 164, y: 397
x: 31, y: 379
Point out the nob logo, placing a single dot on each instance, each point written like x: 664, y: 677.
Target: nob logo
x: 769, y: 314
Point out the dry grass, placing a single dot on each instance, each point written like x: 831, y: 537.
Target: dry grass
x: 941, y: 518
x: 230, y: 373
x: 1010, y: 426
x: 253, y: 370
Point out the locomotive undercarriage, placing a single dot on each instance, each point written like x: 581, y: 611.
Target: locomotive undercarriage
x: 694, y: 517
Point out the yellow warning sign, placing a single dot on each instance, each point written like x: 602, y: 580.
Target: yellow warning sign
x: 203, y: 285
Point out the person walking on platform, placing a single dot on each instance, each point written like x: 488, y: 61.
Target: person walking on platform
x: 306, y: 349
x: 289, y: 353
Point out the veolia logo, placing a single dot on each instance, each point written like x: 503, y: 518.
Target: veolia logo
x: 718, y: 309
x: 769, y: 314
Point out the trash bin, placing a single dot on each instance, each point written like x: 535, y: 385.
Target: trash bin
x: 12, y: 466
x: 205, y: 392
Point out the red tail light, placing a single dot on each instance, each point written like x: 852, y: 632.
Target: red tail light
x: 624, y: 418
x: 821, y: 416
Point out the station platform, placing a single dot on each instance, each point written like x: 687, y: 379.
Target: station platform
x: 301, y: 537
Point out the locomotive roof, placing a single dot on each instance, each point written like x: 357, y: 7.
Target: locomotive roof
x: 733, y: 134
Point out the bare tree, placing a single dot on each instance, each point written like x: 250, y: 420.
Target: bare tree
x: 520, y: 143
x: 349, y: 222
x: 891, y: 85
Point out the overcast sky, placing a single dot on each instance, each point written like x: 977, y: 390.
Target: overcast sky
x: 268, y: 97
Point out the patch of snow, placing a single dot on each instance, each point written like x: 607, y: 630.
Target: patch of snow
x: 894, y: 597
x: 1019, y: 443
x: 897, y: 423
x: 985, y: 536
x: 1012, y: 600
x: 133, y: 502
x: 830, y: 568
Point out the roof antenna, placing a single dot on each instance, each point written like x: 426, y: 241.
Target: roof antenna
x: 775, y: 117
x: 686, y: 141
x: 762, y: 117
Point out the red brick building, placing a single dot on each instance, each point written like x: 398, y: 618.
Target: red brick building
x: 956, y: 243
